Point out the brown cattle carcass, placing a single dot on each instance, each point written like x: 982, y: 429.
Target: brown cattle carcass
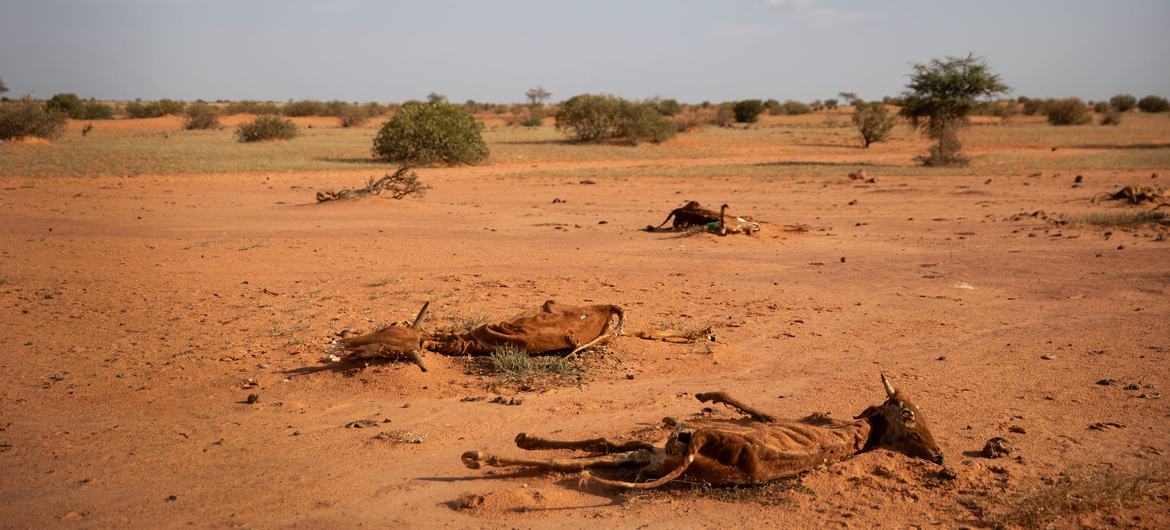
x: 751, y: 450
x: 553, y: 327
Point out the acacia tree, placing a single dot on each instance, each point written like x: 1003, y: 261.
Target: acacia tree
x: 872, y: 121
x: 939, y: 98
x: 536, y: 96
x: 3, y: 87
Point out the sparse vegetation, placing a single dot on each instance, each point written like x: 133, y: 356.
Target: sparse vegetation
x: 200, y: 116
x: 512, y: 365
x: 28, y: 118
x: 873, y: 122
x: 354, y: 116
x: 266, y: 128
x: 1126, y: 219
x: 433, y: 133
x: 1111, y: 116
x: 1123, y: 102
x: 748, y: 110
x: 1153, y: 104
x: 1080, y: 490
x: 939, y: 98
x: 98, y: 111
x: 154, y: 109
x: 251, y: 107
x: 1067, y: 111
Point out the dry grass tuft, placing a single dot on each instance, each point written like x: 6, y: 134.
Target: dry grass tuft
x: 1122, y: 219
x: 1076, y: 491
x: 384, y: 280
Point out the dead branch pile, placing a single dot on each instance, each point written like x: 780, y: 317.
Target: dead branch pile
x: 402, y: 183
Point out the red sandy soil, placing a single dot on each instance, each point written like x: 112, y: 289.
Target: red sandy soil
x: 140, y: 313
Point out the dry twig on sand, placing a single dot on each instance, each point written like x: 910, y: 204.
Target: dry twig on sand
x: 402, y: 183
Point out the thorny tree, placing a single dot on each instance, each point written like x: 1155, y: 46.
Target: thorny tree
x: 940, y: 96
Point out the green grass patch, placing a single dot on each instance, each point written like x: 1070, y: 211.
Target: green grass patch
x: 512, y: 365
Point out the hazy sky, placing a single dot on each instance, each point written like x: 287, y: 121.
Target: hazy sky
x: 485, y: 50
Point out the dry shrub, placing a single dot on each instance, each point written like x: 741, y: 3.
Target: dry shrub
x: 26, y: 117
x: 266, y: 128
x: 200, y: 115
x: 1068, y: 111
x: 1076, y: 491
x: 1122, y: 219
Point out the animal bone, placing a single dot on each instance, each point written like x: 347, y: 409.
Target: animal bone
x: 1135, y: 195
x: 749, y: 450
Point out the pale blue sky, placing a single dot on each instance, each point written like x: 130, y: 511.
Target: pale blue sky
x: 692, y: 50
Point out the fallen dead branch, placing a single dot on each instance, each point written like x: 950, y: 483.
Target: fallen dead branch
x: 400, y: 184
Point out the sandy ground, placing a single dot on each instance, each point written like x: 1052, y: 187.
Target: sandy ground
x: 140, y: 312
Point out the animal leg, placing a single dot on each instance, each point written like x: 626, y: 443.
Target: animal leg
x: 722, y: 397
x: 477, y: 459
x: 597, y: 445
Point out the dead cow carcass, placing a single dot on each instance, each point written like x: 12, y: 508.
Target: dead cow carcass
x: 751, y: 450
x: 552, y: 327
x: 693, y: 214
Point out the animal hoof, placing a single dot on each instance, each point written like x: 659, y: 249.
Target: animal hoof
x: 471, y: 459
x: 523, y: 441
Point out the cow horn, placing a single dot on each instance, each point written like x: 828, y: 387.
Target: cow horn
x: 889, y: 388
x: 422, y: 313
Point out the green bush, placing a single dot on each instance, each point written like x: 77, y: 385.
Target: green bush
x: 1123, y: 102
x: 872, y: 121
x: 667, y: 107
x: 251, y: 107
x: 98, y: 111
x: 154, y: 109
x: 1101, y: 107
x: 794, y: 108
x: 1068, y: 111
x: 425, y: 134
x: 305, y: 108
x: 748, y: 110
x: 643, y: 121
x: 589, y: 117
x: 200, y: 115
x: 594, y: 118
x: 1153, y: 104
x: 267, y: 127
x: 68, y: 104
x: 26, y: 117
